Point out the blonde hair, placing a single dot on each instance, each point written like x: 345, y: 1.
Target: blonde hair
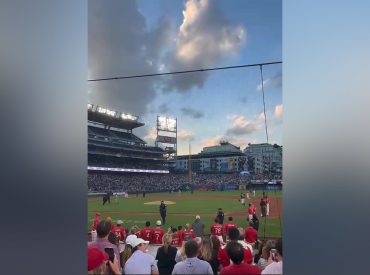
x: 125, y: 255
x: 182, y: 249
x: 100, y: 270
x: 108, y: 219
x: 206, y: 249
x: 166, y: 240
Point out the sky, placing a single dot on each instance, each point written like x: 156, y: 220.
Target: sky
x: 142, y: 37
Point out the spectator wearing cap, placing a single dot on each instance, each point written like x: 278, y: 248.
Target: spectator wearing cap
x: 198, y: 226
x: 235, y: 251
x: 158, y: 233
x: 166, y: 255
x: 222, y: 254
x: 242, y: 242
x: 120, y: 231
x: 97, y: 262
x: 102, y: 230
x: 275, y: 260
x: 140, y: 262
x: 192, y: 265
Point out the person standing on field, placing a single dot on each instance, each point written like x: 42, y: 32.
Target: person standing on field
x: 163, y: 212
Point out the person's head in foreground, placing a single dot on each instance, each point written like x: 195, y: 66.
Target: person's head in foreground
x: 235, y: 251
x: 119, y: 223
x: 197, y: 217
x: 139, y: 244
x: 233, y: 234
x: 230, y: 219
x: 98, y: 262
x: 191, y: 249
x: 158, y: 223
x: 147, y: 224
x: 103, y: 229
x: 277, y: 254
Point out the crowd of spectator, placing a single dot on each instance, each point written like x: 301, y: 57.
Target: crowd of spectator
x: 116, y: 250
x: 132, y: 182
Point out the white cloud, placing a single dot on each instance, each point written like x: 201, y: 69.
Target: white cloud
x: 279, y: 111
x: 151, y: 135
x: 204, y: 38
x: 185, y: 135
x: 275, y: 82
x: 241, y: 126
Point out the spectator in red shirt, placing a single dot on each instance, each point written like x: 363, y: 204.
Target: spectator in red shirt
x: 188, y: 233
x: 233, y: 237
x: 228, y: 225
x: 251, y: 234
x: 146, y: 233
x: 96, y: 221
x: 120, y: 231
x: 235, y: 251
x: 158, y: 233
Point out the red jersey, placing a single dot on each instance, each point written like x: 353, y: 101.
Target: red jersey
x: 112, y: 228
x: 120, y: 233
x: 180, y: 233
x: 146, y: 233
x: 157, y: 235
x: 251, y: 210
x: 250, y: 235
x: 228, y: 225
x: 241, y: 269
x: 95, y: 223
x: 224, y: 259
x: 216, y: 229
x: 188, y: 234
x: 138, y: 234
x: 176, y: 240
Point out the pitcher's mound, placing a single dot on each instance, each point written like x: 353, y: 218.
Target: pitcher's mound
x: 159, y: 202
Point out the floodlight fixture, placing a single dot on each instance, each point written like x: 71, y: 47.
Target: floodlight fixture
x: 101, y: 110
x: 128, y: 116
x: 110, y: 112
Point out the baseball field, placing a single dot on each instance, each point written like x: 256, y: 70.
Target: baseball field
x: 182, y: 208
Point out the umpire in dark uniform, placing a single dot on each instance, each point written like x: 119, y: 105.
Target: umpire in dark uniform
x: 163, y: 212
x: 220, y: 215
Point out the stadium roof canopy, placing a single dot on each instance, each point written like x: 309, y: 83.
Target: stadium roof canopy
x: 116, y: 122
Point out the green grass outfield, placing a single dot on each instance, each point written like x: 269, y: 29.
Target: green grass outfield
x: 132, y: 210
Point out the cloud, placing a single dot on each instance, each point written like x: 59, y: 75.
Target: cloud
x: 163, y: 108
x: 151, y: 134
x: 279, y: 111
x: 119, y: 43
x: 192, y: 113
x: 274, y: 82
x: 212, y: 141
x: 204, y: 38
x: 241, y: 126
x: 237, y: 141
x: 185, y: 135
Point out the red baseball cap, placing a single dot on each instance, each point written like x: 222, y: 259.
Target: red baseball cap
x: 95, y: 257
x: 97, y: 214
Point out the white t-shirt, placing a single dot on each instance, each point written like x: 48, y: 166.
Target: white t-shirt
x: 193, y: 266
x: 140, y: 263
x: 273, y: 268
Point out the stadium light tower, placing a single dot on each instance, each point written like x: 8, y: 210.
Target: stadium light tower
x: 167, y: 137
